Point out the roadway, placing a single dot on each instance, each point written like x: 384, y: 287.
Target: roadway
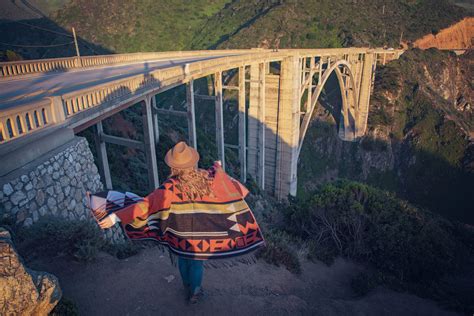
x: 19, y: 91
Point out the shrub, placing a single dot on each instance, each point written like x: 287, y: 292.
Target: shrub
x: 65, y: 307
x: 280, y: 249
x: 52, y: 236
x: 403, y: 243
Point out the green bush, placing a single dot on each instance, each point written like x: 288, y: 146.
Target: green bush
x: 80, y: 240
x: 280, y: 249
x: 407, y: 245
x: 52, y: 236
x: 65, y: 307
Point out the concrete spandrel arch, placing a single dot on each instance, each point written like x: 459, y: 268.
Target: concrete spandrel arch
x: 349, y: 111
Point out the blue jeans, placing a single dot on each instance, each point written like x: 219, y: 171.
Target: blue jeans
x: 191, y: 273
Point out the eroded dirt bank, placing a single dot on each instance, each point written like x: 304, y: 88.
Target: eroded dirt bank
x: 457, y: 36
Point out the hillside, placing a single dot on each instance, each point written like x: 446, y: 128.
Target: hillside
x: 165, y: 25
x: 145, y: 25
x: 325, y: 23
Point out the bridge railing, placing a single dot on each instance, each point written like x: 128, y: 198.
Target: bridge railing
x: 25, y: 67
x: 26, y: 119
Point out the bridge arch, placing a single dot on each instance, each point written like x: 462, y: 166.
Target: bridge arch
x: 349, y: 110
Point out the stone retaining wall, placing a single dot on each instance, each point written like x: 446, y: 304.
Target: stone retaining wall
x: 56, y: 186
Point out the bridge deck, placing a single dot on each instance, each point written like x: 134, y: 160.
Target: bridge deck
x: 19, y: 91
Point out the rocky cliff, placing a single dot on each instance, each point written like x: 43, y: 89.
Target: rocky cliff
x: 24, y: 291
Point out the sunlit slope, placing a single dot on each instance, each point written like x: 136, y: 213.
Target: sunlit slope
x: 138, y: 25
x: 146, y: 25
x: 325, y: 23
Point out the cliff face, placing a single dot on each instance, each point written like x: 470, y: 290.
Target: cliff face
x: 457, y: 36
x: 419, y: 142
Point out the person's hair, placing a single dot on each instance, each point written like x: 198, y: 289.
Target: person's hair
x: 195, y: 183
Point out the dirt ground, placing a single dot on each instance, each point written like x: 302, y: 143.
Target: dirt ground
x: 148, y: 284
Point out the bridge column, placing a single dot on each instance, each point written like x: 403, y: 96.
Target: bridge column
x: 256, y: 124
x: 103, y: 161
x: 150, y: 150
x: 219, y: 118
x: 365, y: 89
x: 242, y: 127
x: 155, y: 119
x: 288, y: 127
x: 191, y: 114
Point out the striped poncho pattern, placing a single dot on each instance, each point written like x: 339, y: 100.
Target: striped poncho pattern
x: 210, y: 228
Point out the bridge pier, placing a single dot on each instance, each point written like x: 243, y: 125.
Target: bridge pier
x: 288, y: 127
x: 191, y: 115
x: 102, y: 159
x: 219, y: 117
x: 242, y: 126
x: 367, y: 71
x: 256, y: 124
x: 149, y: 140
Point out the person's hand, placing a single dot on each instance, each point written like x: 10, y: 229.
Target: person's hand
x: 218, y: 162
x: 107, y: 222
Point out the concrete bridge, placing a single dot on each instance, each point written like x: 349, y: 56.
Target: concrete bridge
x: 44, y: 103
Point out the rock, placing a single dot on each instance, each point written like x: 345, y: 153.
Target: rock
x: 17, y: 197
x: 24, y: 178
x: 64, y: 181
x: 28, y: 222
x: 20, y: 216
x: 35, y: 216
x: 48, y: 180
x: 7, y: 189
x: 78, y: 195
x: 50, y: 190
x: 24, y: 291
x: 57, y: 188
x: 19, y: 186
x: 22, y: 203
x: 56, y: 175
x: 15, y: 210
x: 40, y: 197
x: 72, y: 205
x: 42, y: 210
x: 51, y: 202
x: 28, y: 186
x: 31, y: 195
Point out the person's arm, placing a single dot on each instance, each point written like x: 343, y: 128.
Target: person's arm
x: 155, y: 201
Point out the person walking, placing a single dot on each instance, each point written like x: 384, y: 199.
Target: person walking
x: 199, y: 214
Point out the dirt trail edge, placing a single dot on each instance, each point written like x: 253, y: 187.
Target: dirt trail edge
x: 147, y: 284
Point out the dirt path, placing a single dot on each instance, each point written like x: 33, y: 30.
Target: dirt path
x: 147, y: 284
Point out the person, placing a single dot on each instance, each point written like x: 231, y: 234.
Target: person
x: 191, y: 213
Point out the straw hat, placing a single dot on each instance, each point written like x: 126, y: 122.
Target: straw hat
x: 181, y: 156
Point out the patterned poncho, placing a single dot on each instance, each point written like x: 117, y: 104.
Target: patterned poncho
x: 221, y: 226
